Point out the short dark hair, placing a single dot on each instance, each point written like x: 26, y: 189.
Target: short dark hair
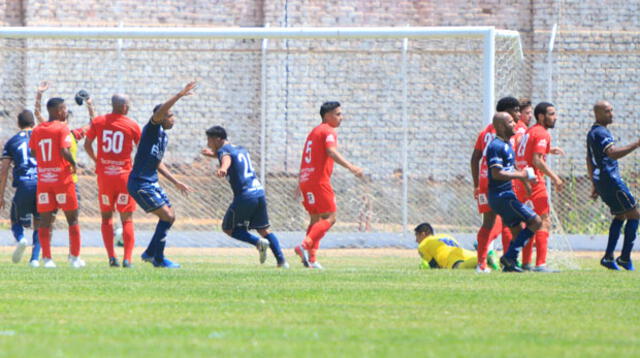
x: 541, y: 108
x: 328, y: 107
x: 507, y: 103
x: 424, y: 227
x: 25, y: 119
x: 157, y: 107
x: 525, y: 102
x: 54, y: 102
x: 216, y: 132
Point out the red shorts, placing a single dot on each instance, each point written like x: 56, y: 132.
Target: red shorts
x: 53, y: 196
x: 538, y: 200
x: 318, y: 198
x: 113, y: 194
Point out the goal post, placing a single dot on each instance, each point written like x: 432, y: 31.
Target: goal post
x: 414, y: 99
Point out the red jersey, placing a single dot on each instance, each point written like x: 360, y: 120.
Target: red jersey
x: 536, y: 140
x: 116, y: 135
x: 484, y: 138
x: 46, y: 142
x: 316, y: 165
x: 520, y: 129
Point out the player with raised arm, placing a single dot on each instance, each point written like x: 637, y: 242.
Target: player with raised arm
x: 532, y: 151
x: 319, y: 153
x: 50, y: 142
x: 115, y: 135
x: 143, y: 181
x: 492, y: 225
x: 249, y: 207
x: 502, y: 199
x: 602, y: 166
x: 25, y: 179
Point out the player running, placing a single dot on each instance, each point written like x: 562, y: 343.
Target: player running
x: 50, y: 142
x: 143, y: 181
x: 320, y: 152
x: 443, y: 251
x: 602, y: 166
x: 115, y: 135
x: 25, y: 180
x: 249, y: 207
x: 532, y: 151
x: 502, y: 199
x: 492, y: 225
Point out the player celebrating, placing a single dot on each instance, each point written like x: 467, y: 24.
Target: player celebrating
x: 143, y: 180
x: 50, y: 141
x: 249, y: 207
x: 443, y: 251
x: 320, y: 152
x: 25, y: 179
x: 492, y: 226
x: 502, y: 199
x: 116, y: 135
x: 602, y: 165
x: 531, y: 152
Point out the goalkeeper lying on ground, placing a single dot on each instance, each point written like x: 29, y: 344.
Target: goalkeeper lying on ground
x: 443, y: 251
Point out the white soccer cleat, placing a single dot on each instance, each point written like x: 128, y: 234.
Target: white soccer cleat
x: 76, y: 262
x: 17, y: 253
x: 34, y: 263
x: 481, y: 270
x: 262, y: 246
x: 284, y: 265
x: 48, y: 263
x: 315, y: 265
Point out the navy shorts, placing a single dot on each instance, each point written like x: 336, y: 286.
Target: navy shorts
x: 249, y: 213
x: 512, y: 211
x: 150, y: 196
x: 615, y: 194
x: 23, y: 205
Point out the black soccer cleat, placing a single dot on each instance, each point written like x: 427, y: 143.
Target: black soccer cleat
x: 509, y: 265
x: 113, y: 262
x: 126, y: 264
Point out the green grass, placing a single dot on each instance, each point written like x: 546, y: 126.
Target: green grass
x: 358, y: 306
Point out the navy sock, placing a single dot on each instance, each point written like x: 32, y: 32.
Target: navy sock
x: 243, y: 235
x: 614, y: 234
x: 274, y: 244
x: 35, y: 251
x: 517, y: 244
x: 158, y: 241
x: 18, y: 231
x: 629, y: 237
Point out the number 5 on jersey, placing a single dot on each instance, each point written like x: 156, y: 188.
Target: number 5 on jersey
x: 112, y: 141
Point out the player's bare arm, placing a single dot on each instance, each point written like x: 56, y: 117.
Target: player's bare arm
x: 184, y: 188
x: 66, y: 154
x: 557, y: 151
x: 164, y: 109
x: 4, y: 174
x: 594, y: 193
x: 91, y: 108
x: 616, y: 153
x: 541, y: 164
x: 475, y: 167
x: 44, y: 85
x: 208, y: 153
x: 225, y: 163
x: 498, y: 173
x: 338, y: 158
x: 88, y: 147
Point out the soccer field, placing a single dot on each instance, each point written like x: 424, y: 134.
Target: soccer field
x: 366, y: 303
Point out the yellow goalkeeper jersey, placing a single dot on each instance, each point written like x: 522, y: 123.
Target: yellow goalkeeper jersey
x: 443, y: 251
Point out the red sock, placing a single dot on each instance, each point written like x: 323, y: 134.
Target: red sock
x: 527, y: 251
x: 483, y: 246
x: 107, y: 237
x: 316, y: 233
x: 44, y: 235
x: 542, y: 240
x: 74, y: 240
x: 128, y: 238
x: 506, y: 238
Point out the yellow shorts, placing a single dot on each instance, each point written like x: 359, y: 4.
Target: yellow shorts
x: 460, y: 254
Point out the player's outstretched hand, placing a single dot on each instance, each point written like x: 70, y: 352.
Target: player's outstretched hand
x: 188, y: 89
x: 221, y: 173
x: 357, y: 171
x: 184, y: 188
x: 557, y: 151
x: 559, y: 184
x: 207, y: 153
x: 43, y: 86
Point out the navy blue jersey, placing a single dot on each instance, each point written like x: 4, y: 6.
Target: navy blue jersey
x: 153, y: 143
x: 24, y: 163
x: 500, y: 155
x: 242, y: 178
x: 598, y: 140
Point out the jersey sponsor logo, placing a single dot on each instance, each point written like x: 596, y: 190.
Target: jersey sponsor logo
x: 61, y: 198
x: 43, y: 198
x: 311, y: 199
x: 123, y: 199
x: 542, y: 143
x: 330, y: 138
x: 112, y: 170
x: 48, y: 177
x: 157, y: 151
x: 105, y: 199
